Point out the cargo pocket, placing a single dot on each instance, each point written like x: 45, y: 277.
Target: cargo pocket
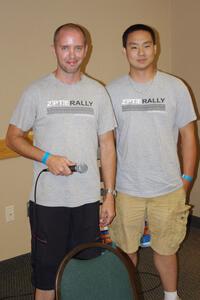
x: 178, y: 225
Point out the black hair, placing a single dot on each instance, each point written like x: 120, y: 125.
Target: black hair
x: 138, y: 27
x: 69, y: 26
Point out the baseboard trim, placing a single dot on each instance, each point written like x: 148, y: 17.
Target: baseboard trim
x: 194, y: 221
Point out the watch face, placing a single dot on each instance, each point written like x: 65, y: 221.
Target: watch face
x: 111, y: 191
x: 114, y: 193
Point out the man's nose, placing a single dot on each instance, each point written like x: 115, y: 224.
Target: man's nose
x: 72, y: 52
x: 141, y: 51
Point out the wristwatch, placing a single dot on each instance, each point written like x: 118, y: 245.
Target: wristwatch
x: 110, y: 191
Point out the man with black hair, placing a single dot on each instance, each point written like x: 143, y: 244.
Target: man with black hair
x: 152, y: 108
x: 69, y: 114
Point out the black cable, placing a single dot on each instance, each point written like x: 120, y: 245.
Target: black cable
x: 34, y: 230
x: 36, y: 182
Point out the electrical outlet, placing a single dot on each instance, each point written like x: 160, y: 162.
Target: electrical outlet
x: 10, y: 213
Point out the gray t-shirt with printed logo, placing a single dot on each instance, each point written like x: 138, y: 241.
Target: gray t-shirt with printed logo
x: 66, y: 120
x: 148, y: 120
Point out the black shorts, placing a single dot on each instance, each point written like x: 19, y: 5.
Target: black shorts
x: 55, y: 231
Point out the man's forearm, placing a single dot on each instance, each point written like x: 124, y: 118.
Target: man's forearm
x: 17, y: 141
x: 108, y: 163
x: 189, y: 154
x: 189, y: 149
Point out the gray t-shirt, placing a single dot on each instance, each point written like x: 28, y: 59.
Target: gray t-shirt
x: 148, y: 120
x: 66, y: 120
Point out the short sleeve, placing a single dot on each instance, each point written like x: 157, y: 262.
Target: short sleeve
x: 106, y: 118
x: 185, y: 112
x: 25, y: 113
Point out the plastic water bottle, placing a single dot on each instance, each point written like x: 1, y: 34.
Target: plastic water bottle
x: 105, y: 236
x: 145, y: 240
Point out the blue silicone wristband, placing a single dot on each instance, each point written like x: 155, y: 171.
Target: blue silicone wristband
x: 45, y: 157
x: 187, y: 177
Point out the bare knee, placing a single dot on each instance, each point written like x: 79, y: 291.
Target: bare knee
x: 165, y: 259
x: 133, y: 257
x: 44, y: 295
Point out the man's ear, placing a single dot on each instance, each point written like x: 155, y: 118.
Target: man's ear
x: 52, y: 48
x: 86, y: 49
x: 155, y: 49
x: 124, y: 51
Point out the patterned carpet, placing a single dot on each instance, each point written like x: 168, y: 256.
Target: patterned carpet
x: 15, y: 273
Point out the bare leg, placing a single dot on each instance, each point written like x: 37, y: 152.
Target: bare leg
x: 133, y: 257
x: 44, y: 295
x: 167, y: 268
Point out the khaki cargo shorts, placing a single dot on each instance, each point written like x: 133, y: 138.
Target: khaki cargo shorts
x: 167, y: 218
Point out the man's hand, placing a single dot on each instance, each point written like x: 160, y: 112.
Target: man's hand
x: 107, y: 212
x: 59, y: 165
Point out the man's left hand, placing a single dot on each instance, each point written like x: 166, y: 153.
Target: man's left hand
x: 107, y: 212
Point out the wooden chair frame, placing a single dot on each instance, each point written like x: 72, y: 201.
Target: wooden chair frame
x: 117, y: 251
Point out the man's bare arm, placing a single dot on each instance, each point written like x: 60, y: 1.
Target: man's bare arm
x: 17, y: 141
x: 108, y: 166
x: 188, y: 151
